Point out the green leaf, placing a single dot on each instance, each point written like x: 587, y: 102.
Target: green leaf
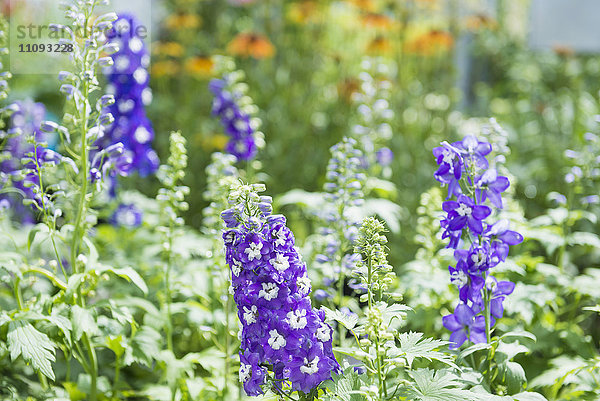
x: 35, y: 347
x: 584, y: 238
x: 439, y: 385
x: 514, y: 377
x: 511, y: 349
x: 83, y: 322
x: 413, y: 345
x: 519, y: 334
x: 356, y: 353
x: 145, y: 347
x: 348, y: 321
x: 41, y: 227
x: 529, y: 396
x: 4, y: 318
x: 74, y: 283
x: 128, y: 273
x: 117, y: 345
x: 344, y: 387
x: 471, y: 349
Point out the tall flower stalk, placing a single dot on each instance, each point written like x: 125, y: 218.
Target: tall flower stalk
x: 345, y: 180
x: 285, y: 343
x: 479, y: 243
x: 171, y: 199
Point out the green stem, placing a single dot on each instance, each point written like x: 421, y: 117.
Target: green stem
x: 57, y: 282
x: 17, y: 290
x: 169, y: 325
x: 115, y: 388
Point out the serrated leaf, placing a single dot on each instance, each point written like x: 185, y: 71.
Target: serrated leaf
x: 35, y: 347
x: 438, y: 385
x: 344, y: 387
x: 413, y: 345
x: 348, y: 321
x: 83, y: 322
x: 145, y: 347
x: 393, y: 311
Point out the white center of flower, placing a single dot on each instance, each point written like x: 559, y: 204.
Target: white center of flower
x: 121, y: 63
x: 311, y: 367
x: 281, y: 262
x: 125, y: 106
x: 141, y: 135
x: 478, y: 258
x: 280, y: 235
x: 140, y: 75
x: 276, y: 340
x: 464, y: 210
x: 245, y: 372
x: 240, y: 125
x: 269, y: 291
x: 448, y: 156
x: 459, y: 278
x: 297, y: 319
x: 136, y: 45
x: 303, y: 284
x: 236, y: 269
x: 324, y: 333
x: 250, y: 314
x: 253, y: 250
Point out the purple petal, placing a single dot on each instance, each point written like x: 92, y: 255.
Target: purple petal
x: 464, y: 314
x: 450, y: 323
x: 505, y: 287
x: 457, y: 339
x: 480, y: 212
x: 511, y: 237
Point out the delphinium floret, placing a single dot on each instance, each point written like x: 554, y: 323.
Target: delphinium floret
x: 479, y: 243
x: 284, y: 341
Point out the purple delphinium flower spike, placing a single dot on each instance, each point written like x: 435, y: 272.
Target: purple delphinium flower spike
x: 236, y: 121
x: 128, y: 83
x: 481, y: 295
x: 280, y: 330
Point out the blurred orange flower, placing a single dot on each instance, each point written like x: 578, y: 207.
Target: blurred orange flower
x: 429, y: 43
x: 365, y: 5
x: 182, y: 21
x: 563, y: 51
x: 171, y: 49
x: 251, y: 45
x: 164, y: 68
x: 348, y: 87
x: 379, y: 45
x: 374, y: 20
x: 479, y: 21
x: 302, y: 12
x: 199, y: 66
